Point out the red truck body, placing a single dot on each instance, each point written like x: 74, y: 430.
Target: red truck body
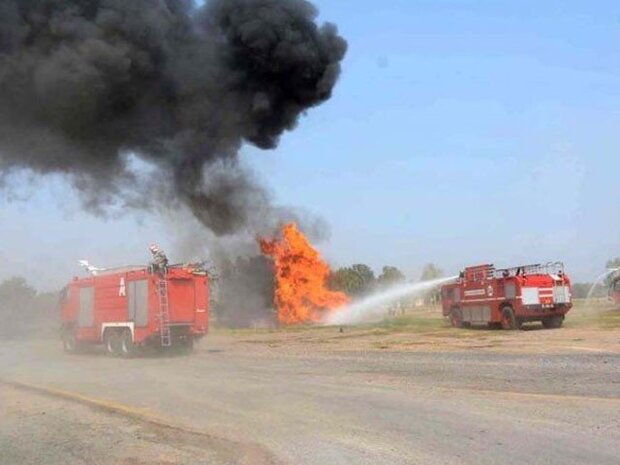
x: 133, y: 306
x: 508, y: 297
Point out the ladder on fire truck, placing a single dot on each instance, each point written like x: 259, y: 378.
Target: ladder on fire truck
x: 164, y: 312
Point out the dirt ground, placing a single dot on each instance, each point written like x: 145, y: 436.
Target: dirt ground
x: 407, y: 390
x: 42, y: 429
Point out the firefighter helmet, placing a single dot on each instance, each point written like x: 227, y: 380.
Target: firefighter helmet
x: 154, y: 248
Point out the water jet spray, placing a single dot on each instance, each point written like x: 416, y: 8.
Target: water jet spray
x: 372, y: 306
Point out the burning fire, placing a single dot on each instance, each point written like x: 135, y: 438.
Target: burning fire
x: 301, y: 275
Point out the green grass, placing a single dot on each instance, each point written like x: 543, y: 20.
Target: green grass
x: 411, y: 322
x: 422, y: 323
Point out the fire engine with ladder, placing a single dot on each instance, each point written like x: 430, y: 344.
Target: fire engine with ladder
x: 135, y: 306
x: 509, y: 297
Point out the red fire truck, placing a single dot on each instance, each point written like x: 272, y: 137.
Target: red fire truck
x: 133, y: 306
x: 506, y: 298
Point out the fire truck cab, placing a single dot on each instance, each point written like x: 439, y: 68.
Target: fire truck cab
x: 129, y: 307
x: 507, y: 298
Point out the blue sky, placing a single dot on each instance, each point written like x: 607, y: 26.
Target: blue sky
x: 460, y: 132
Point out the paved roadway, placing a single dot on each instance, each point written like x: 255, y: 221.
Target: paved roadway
x: 358, y: 407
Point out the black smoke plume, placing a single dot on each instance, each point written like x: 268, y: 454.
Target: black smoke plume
x: 86, y: 83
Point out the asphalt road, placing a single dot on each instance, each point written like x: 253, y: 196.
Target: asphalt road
x: 362, y: 407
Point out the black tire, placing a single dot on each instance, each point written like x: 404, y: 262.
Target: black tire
x: 112, y: 342
x: 128, y: 348
x: 69, y: 342
x: 553, y: 322
x: 456, y: 318
x: 509, y: 320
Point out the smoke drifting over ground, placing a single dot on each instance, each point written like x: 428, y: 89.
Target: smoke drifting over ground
x: 86, y: 83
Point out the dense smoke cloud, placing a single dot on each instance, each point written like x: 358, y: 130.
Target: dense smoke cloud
x: 86, y: 83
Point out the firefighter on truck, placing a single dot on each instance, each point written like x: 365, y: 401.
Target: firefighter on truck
x: 159, y: 262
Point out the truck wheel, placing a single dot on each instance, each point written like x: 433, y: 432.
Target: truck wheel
x: 112, y: 342
x: 128, y: 348
x: 553, y: 322
x: 70, y: 343
x: 456, y: 318
x: 509, y: 321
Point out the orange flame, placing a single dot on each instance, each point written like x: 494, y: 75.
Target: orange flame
x: 301, y: 294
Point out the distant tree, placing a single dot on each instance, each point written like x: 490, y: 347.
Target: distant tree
x: 580, y: 290
x: 431, y: 272
x: 390, y: 276
x: 16, y: 306
x: 613, y: 263
x: 342, y: 280
x: 15, y: 292
x: 365, y: 273
x: 355, y: 280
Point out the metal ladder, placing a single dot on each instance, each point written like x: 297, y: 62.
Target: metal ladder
x: 164, y: 313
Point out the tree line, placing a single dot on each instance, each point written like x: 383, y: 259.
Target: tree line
x: 24, y: 310
x: 359, y: 280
